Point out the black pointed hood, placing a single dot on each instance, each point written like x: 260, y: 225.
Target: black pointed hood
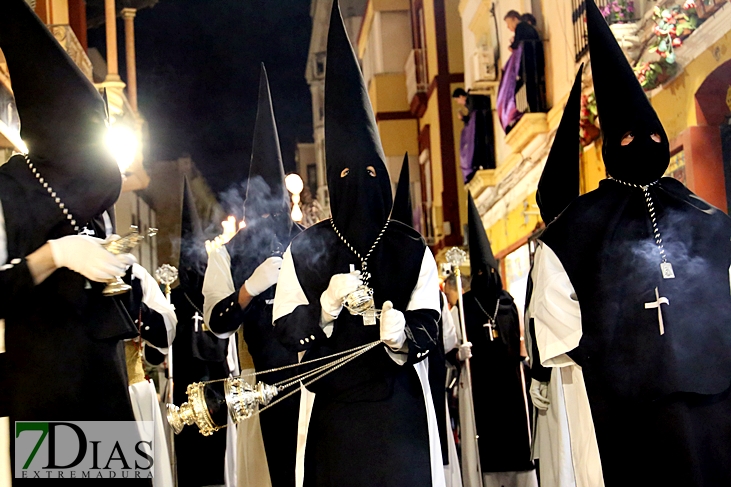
x: 267, y: 199
x: 357, y: 178
x: 486, y: 284
x: 624, y: 108
x: 269, y: 226
x: 560, y: 180
x: 266, y: 192
x: 192, y: 264
x: 62, y: 115
x: 402, y: 210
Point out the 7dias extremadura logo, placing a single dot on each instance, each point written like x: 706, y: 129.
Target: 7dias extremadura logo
x: 84, y: 449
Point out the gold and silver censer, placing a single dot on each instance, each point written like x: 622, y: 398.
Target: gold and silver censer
x: 242, y: 400
x: 124, y: 245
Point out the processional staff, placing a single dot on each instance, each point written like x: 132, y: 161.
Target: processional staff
x: 455, y: 257
x: 166, y: 275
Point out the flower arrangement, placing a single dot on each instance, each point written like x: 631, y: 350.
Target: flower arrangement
x: 672, y: 26
x: 588, y: 119
x: 619, y: 11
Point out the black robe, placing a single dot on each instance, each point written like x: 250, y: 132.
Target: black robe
x: 199, y: 356
x: 501, y: 414
x: 278, y: 423
x: 369, y: 424
x: 656, y: 400
x: 65, y: 357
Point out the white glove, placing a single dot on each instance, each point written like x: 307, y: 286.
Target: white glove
x: 85, y: 255
x: 464, y: 351
x: 264, y: 276
x: 539, y: 394
x: 340, y: 286
x: 393, y: 326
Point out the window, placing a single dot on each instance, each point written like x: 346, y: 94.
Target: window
x: 312, y: 178
x: 320, y: 64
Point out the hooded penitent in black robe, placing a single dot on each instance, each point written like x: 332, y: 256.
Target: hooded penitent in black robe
x: 660, y: 403
x: 199, y: 354
x: 369, y: 419
x: 403, y: 212
x: 501, y: 415
x: 269, y: 230
x: 64, y: 355
x: 558, y: 187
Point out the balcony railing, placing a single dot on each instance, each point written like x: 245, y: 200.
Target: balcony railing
x: 415, y: 70
x: 65, y: 36
x: 578, y: 19
x: 530, y: 95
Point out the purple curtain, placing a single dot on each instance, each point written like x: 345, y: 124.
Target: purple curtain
x: 508, y: 114
x: 467, y: 148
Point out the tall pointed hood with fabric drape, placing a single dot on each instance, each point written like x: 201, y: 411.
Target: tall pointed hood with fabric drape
x: 192, y: 263
x: 560, y: 181
x: 402, y: 210
x: 266, y: 193
x: 62, y: 115
x: 486, y: 283
x: 357, y: 178
x: 269, y: 226
x: 624, y: 110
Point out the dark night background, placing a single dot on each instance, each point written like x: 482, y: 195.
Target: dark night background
x: 198, y: 76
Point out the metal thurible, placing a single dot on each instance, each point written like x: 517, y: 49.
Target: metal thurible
x: 243, y: 399
x: 124, y: 245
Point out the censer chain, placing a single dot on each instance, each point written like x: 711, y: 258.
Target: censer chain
x: 310, y: 373
x: 299, y: 364
x: 342, y: 361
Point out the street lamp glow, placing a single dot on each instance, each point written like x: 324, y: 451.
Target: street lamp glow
x: 297, y: 213
x: 122, y: 143
x: 294, y: 183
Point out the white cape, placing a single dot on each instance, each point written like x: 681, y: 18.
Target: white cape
x: 146, y: 407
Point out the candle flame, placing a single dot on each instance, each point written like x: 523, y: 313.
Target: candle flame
x: 230, y: 229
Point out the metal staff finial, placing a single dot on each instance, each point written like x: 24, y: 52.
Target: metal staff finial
x: 166, y: 275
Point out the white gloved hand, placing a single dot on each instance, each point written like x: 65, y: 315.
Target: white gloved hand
x: 264, y: 276
x: 539, y: 394
x: 464, y: 351
x: 85, y: 255
x: 393, y: 326
x: 340, y: 286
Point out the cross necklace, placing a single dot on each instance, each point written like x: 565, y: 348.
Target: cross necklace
x: 491, y: 320
x: 659, y: 300
x: 666, y: 268
x: 198, y: 316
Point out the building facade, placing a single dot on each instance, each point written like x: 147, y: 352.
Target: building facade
x: 689, y: 95
x: 411, y: 56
